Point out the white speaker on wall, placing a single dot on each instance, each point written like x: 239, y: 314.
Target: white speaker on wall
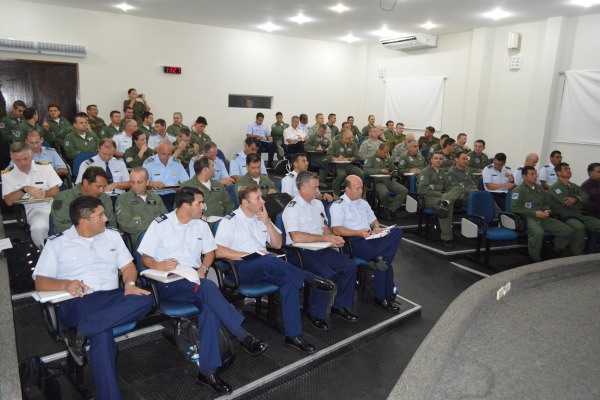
x: 514, y: 41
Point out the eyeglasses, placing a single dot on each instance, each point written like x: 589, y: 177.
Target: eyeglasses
x: 99, y: 216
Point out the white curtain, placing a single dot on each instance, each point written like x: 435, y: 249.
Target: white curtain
x: 416, y: 102
x: 579, y: 117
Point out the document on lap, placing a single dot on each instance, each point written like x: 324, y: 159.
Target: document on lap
x: 179, y: 273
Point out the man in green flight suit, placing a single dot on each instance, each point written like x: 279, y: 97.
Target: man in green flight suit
x: 80, y: 140
x: 96, y: 123
x: 412, y: 162
x: 428, y: 140
x: 137, y: 208
x: 216, y: 198
x: 93, y: 182
x: 343, y: 152
x: 253, y: 176
x: 478, y: 160
x: 568, y: 200
x: 58, y: 126
x: 277, y: 128
x: 318, y: 144
x: 9, y: 125
x: 138, y: 152
x: 381, y: 163
x: 200, y: 136
x: 114, y: 128
x: 529, y: 200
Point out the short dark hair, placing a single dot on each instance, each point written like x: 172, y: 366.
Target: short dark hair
x: 384, y: 145
x: 208, y: 145
x: 260, y: 115
x: 349, y: 116
x: 480, y: 141
x: 201, y: 120
x: 82, y: 207
x: 135, y: 135
x: 592, y: 166
x: 399, y: 123
x: 160, y: 122
x: 200, y: 164
x: 186, y: 195
x: 49, y: 105
x: 131, y: 90
x: 29, y: 113
x: 449, y: 142
x: 331, y: 115
x: 253, y: 158
x: 113, y: 112
x: 185, y: 131
x: 460, y: 153
x: 146, y: 114
x: 526, y: 170
x: 296, y: 156
x: 278, y: 113
x: 107, y: 140
x: 127, y: 108
x: 82, y: 115
x: 387, y: 123
x: 252, y: 141
x: 246, y: 190
x: 92, y: 173
x: 90, y: 106
x: 21, y: 103
x: 444, y: 136
x: 555, y: 152
x: 560, y: 166
x: 461, y: 135
x: 140, y: 169
x: 430, y: 129
x: 500, y: 157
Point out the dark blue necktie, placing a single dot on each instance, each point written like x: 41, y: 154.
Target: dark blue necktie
x: 110, y: 177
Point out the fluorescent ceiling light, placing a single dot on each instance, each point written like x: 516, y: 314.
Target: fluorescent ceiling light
x: 385, y: 32
x: 340, y: 8
x: 496, y: 14
x: 429, y: 25
x: 349, y: 38
x: 269, y: 27
x: 125, y: 7
x: 585, y: 3
x: 300, y: 19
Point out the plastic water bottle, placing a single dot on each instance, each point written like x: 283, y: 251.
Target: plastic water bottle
x: 395, y: 289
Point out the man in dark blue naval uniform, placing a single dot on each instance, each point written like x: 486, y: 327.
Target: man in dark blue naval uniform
x: 245, y: 232
x: 88, y: 252
x: 352, y: 216
x: 305, y: 222
x: 181, y: 238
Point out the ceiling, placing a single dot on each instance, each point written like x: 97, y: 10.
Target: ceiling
x: 362, y: 18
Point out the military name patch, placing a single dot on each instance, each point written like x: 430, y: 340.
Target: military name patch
x: 161, y: 218
x: 292, y: 203
x: 515, y: 196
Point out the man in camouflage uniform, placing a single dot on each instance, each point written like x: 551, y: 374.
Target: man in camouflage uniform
x: 398, y: 137
x: 96, y: 123
x: 343, y: 152
x: 93, y: 182
x: 184, y: 150
x: 381, y: 163
x: 174, y: 129
x: 568, y: 200
x: 331, y: 119
x: 355, y: 131
x: 367, y: 128
x: 216, y: 198
x: 529, y: 200
x: 136, y: 208
x: 319, y: 143
x: 478, y: 160
x: 200, y: 136
x: 370, y: 145
x: 253, y: 177
x: 412, y: 161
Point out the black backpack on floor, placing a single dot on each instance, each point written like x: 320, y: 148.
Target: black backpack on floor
x: 366, y: 284
x: 39, y: 381
x: 21, y: 261
x: 187, y: 340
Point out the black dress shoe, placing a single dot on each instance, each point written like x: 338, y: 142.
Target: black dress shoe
x: 75, y: 340
x: 253, y: 345
x: 317, y: 322
x: 449, y: 244
x: 321, y: 284
x: 441, y: 209
x: 387, y: 305
x: 344, y: 313
x: 214, y: 382
x: 299, y: 344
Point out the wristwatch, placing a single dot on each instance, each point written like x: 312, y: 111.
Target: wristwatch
x: 23, y: 189
x: 132, y: 283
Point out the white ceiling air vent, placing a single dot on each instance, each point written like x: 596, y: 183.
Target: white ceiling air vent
x: 410, y: 42
x: 57, y: 49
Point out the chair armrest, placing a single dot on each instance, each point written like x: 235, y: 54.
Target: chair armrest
x: 50, y: 318
x: 512, y: 221
x: 224, y: 265
x: 21, y: 215
x: 479, y: 221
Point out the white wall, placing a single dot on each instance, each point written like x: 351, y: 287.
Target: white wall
x: 303, y: 76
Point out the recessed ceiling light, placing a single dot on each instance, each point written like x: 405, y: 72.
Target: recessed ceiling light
x: 429, y: 25
x: 349, y: 38
x: 269, y: 27
x: 300, y: 18
x: 586, y: 3
x: 340, y: 8
x: 384, y: 32
x: 496, y: 14
x: 125, y: 7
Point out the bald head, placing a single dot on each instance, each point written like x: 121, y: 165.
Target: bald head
x: 353, y: 187
x: 531, y: 160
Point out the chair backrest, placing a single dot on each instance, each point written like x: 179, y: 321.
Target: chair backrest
x: 278, y: 185
x: 168, y: 200
x: 79, y: 158
x: 425, y: 153
x: 279, y: 225
x: 413, y: 183
x: 221, y: 156
x: 138, y: 256
x: 328, y: 213
x: 482, y: 204
x: 215, y: 227
x: 480, y: 184
x: 233, y: 195
x: 507, y: 205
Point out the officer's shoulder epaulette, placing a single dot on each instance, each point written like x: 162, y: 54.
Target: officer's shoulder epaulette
x: 89, y: 160
x: 43, y: 163
x: 507, y: 167
x: 290, y: 174
x: 339, y: 201
x: 230, y: 215
x: 50, y: 149
x: 520, y: 168
x: 177, y: 160
x: 236, y: 156
x: 55, y: 236
x: 112, y: 229
x: 546, y: 166
x: 148, y: 160
x: 292, y: 203
x: 161, y: 218
x: 8, y: 169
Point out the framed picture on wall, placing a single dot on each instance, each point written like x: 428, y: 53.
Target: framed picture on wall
x: 249, y: 101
